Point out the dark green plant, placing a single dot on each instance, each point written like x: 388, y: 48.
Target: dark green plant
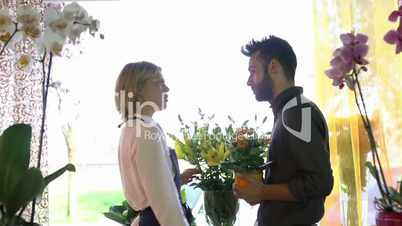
x: 19, y: 183
x: 122, y: 214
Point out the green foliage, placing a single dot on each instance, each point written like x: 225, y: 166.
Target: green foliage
x: 123, y: 214
x: 391, y: 201
x: 205, y: 146
x: 19, y: 184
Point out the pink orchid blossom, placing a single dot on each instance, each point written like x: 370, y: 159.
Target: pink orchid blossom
x: 346, y: 58
x: 395, y: 36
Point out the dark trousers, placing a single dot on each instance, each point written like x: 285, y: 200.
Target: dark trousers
x: 147, y: 218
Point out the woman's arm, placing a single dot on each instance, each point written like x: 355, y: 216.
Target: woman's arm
x: 157, y: 179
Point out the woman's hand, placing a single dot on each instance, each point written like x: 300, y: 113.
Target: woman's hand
x: 188, y: 175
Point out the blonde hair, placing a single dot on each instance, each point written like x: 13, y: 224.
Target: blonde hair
x: 130, y: 83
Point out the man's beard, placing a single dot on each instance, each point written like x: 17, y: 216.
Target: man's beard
x: 264, y: 90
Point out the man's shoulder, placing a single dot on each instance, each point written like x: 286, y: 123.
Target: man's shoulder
x: 300, y: 113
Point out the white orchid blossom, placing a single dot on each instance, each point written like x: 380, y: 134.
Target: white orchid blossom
x: 6, y: 24
x: 74, y: 12
x: 27, y: 15
x: 50, y: 34
x: 53, y: 42
x: 28, y: 20
x: 94, y: 26
x: 57, y: 23
x: 24, y: 62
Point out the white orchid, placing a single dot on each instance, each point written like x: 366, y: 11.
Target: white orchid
x: 94, y: 26
x: 29, y: 21
x: 76, y: 31
x: 6, y: 24
x: 53, y: 42
x: 27, y: 15
x: 24, y: 62
x: 50, y: 34
x: 57, y: 23
x: 74, y: 12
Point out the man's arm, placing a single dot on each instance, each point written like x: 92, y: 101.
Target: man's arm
x: 313, y: 178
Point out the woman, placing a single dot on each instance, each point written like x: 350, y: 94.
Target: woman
x: 148, y: 168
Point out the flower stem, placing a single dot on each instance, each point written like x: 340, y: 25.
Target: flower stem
x: 380, y: 179
x: 8, y: 41
x: 45, y: 89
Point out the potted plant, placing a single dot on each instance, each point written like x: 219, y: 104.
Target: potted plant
x: 247, y: 152
x: 19, y: 183
x: 348, y: 62
x: 45, y: 34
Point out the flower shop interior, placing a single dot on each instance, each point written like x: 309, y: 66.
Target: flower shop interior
x: 60, y: 60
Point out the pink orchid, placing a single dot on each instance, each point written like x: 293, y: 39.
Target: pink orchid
x: 395, y: 14
x: 345, y: 59
x: 395, y: 36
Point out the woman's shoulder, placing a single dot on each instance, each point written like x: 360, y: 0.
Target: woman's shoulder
x: 139, y: 130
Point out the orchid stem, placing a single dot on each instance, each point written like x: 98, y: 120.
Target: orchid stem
x: 380, y: 178
x: 8, y: 41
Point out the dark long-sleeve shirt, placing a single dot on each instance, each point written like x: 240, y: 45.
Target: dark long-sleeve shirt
x: 300, y: 155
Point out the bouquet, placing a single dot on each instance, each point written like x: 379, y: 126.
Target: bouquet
x: 207, y: 147
x: 248, y: 151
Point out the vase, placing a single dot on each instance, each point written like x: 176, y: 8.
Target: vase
x: 389, y: 219
x: 220, y: 207
x: 256, y: 175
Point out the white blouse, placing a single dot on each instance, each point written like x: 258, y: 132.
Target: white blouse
x: 147, y: 173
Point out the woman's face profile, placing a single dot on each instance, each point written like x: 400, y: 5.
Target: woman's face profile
x: 155, y: 92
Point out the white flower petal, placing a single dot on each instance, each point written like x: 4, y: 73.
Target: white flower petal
x: 27, y: 15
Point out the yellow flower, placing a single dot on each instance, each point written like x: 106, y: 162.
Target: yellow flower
x: 179, y: 151
x: 215, y: 156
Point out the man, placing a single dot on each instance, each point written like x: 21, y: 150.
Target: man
x: 300, y: 176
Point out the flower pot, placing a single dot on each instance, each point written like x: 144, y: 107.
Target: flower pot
x: 389, y: 219
x: 256, y: 175
x: 220, y: 208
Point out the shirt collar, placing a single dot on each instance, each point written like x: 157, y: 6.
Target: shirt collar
x: 284, y: 97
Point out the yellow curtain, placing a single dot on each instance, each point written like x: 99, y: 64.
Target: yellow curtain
x: 382, y: 87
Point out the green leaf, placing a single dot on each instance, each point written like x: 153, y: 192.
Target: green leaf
x: 117, y: 209
x: 231, y: 119
x: 373, y: 171
x: 29, y: 186
x: 265, y: 119
x: 14, y: 156
x: 15, y: 145
x: 53, y: 176
x: 116, y: 217
x: 180, y: 120
x: 400, y: 187
x: 245, y: 123
x: 395, y: 195
x: 7, y: 188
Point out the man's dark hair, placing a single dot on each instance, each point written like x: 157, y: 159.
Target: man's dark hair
x: 274, y: 47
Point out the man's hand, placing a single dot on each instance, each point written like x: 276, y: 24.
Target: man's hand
x: 251, y: 193
x: 188, y: 175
